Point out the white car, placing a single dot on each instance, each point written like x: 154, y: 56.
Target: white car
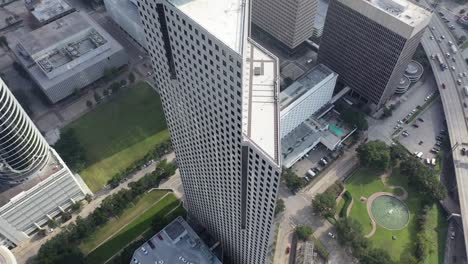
x: 433, y: 28
x: 452, y: 68
x: 442, y: 37
x: 331, y: 234
x: 431, y: 37
x: 460, y: 75
x: 450, y: 42
x: 465, y: 74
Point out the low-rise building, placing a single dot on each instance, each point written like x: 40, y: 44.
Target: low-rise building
x: 46, y: 11
x: 176, y: 243
x: 68, y: 54
x: 305, y: 119
x: 125, y: 15
x: 26, y: 208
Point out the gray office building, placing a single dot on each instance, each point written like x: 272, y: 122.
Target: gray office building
x: 125, y: 15
x: 68, y: 54
x: 369, y: 43
x: 289, y: 21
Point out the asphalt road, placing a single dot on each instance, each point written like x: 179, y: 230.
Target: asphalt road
x: 452, y: 100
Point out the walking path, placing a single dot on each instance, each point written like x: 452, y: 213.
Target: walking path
x: 30, y: 248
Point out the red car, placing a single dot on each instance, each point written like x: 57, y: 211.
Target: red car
x: 288, y: 249
x: 443, y: 86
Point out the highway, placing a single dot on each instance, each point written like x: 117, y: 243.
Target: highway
x: 452, y: 99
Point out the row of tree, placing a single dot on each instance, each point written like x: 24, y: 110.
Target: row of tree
x: 350, y: 234
x: 156, y: 153
x: 63, y: 247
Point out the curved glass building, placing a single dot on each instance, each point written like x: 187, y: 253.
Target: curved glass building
x: 23, y: 150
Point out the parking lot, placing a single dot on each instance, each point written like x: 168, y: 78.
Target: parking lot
x: 426, y: 132
x: 312, y: 161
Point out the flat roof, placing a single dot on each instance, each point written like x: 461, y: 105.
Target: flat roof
x: 261, y: 94
x: 53, y: 165
x: 177, y: 243
x: 401, y: 16
x: 309, y: 81
x: 222, y: 18
x: 45, y: 10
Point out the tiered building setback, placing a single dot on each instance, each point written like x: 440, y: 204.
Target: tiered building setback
x: 219, y: 91
x: 369, y: 43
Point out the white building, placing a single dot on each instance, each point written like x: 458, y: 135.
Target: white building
x: 306, y: 96
x: 125, y: 14
x: 46, y: 190
x: 289, y: 21
x: 219, y: 91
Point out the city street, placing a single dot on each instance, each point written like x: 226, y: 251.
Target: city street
x: 299, y: 211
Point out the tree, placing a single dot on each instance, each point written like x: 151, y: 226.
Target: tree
x: 76, y: 206
x: 88, y: 197
x: 303, y: 232
x: 89, y: 103
x: 115, y: 86
x: 348, y: 230
x: 407, y: 258
x: 374, y: 154
x: 355, y: 119
x: 325, y: 204
x: 462, y: 11
x: 66, y: 216
x: 97, y: 96
x: 398, y: 152
x: 52, y: 223
x: 291, y: 180
x: 70, y: 150
x: 279, y: 206
x: 110, y: 73
x: 131, y: 77
x: 376, y: 256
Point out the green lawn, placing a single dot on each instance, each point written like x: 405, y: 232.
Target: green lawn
x: 119, y: 132
x: 437, y: 234
x: 365, y: 182
x: 140, y: 227
x: 144, y: 203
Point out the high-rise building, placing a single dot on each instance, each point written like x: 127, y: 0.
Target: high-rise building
x: 23, y: 150
x: 369, y: 43
x: 219, y: 91
x: 36, y: 184
x: 289, y: 21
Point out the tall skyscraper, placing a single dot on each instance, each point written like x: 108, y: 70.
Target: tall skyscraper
x: 369, y: 43
x: 36, y: 185
x: 219, y: 92
x: 289, y: 21
x: 23, y: 150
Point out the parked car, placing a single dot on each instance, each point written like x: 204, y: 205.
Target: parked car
x: 420, y: 142
x: 415, y: 125
x: 420, y: 119
x: 463, y: 151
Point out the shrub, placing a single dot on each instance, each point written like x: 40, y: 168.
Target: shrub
x: 347, y: 198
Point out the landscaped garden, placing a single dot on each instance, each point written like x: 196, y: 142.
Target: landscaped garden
x: 397, y: 213
x: 117, y: 133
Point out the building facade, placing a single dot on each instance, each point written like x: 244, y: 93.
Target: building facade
x: 68, y: 54
x: 370, y: 43
x: 47, y: 187
x: 289, y: 21
x: 304, y: 97
x: 219, y: 92
x: 23, y: 150
x: 125, y: 14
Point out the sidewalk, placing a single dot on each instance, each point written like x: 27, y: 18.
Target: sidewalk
x: 30, y: 248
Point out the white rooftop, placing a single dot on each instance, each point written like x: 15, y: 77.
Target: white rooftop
x: 400, y: 16
x: 222, y: 18
x: 261, y: 121
x: 403, y: 10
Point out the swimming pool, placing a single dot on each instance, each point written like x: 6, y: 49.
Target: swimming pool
x: 336, y: 130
